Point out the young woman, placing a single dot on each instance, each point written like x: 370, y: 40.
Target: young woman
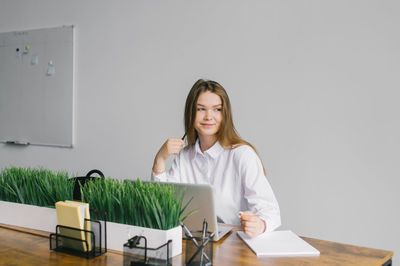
x: 216, y: 155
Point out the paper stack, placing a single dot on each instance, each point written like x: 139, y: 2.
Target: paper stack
x: 278, y: 244
x: 73, y: 214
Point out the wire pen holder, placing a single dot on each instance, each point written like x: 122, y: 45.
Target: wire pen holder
x: 80, y: 242
x: 135, y: 253
x: 199, y: 248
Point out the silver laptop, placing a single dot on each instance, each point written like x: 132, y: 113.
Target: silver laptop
x: 204, y: 206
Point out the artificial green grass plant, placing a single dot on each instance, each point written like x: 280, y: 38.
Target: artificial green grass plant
x: 150, y: 205
x: 137, y: 203
x: 38, y: 187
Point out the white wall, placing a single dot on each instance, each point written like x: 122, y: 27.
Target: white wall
x: 314, y: 86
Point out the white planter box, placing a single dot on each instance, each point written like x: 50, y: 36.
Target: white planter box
x: 45, y: 219
x: 29, y: 216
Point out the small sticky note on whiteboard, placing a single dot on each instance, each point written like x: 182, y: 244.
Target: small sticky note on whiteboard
x: 51, y: 70
x: 35, y: 59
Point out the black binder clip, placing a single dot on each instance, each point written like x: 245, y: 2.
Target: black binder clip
x: 136, y: 254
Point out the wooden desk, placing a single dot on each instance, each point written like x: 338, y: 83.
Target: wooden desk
x: 19, y: 246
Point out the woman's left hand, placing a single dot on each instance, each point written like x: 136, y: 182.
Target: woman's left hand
x: 252, y: 225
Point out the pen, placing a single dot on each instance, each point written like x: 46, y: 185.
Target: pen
x: 203, y: 238
x: 184, y: 136
x: 211, y: 236
x: 188, y: 234
x: 205, y: 225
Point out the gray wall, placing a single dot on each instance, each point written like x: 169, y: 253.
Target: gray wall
x: 314, y: 86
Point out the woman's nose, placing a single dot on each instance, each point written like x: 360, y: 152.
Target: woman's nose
x: 208, y: 114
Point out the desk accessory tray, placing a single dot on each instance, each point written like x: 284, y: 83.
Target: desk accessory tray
x: 81, y: 242
x: 136, y: 254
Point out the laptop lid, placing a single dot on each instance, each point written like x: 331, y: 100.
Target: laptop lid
x: 202, y: 202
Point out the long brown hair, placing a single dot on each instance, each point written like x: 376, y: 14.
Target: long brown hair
x: 227, y: 135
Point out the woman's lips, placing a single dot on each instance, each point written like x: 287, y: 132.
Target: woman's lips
x: 207, y: 125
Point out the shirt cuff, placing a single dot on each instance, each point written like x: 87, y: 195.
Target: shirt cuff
x: 160, y: 177
x: 270, y: 225
x: 163, y: 177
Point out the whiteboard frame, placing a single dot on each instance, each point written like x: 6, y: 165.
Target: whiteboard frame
x: 39, y: 108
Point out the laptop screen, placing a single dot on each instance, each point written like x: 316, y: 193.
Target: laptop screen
x: 202, y: 203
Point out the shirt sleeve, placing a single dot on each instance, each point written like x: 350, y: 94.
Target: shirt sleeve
x: 256, y: 189
x: 172, y: 175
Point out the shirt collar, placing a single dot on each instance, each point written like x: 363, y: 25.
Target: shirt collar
x: 213, y: 152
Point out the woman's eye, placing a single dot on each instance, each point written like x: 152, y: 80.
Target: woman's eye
x: 218, y: 109
x: 200, y: 109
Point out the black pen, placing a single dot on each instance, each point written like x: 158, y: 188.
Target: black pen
x: 206, y: 231
x: 204, y: 228
x: 184, y: 136
x: 203, y: 238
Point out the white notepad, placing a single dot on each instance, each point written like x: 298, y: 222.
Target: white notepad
x: 278, y: 244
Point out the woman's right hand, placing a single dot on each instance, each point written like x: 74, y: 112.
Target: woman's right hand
x: 170, y: 147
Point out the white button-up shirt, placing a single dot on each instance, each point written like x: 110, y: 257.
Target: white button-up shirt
x: 237, y: 177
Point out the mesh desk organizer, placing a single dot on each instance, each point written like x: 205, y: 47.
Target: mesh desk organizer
x: 81, y: 242
x: 137, y: 253
x: 199, y: 249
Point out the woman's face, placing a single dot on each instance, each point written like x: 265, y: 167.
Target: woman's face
x: 208, y: 114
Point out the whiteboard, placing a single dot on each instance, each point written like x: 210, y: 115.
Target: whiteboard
x: 36, y: 87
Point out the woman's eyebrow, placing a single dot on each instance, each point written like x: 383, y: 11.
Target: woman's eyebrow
x: 218, y: 105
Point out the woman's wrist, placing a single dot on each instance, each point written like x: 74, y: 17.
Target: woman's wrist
x: 158, y: 171
x: 158, y: 166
